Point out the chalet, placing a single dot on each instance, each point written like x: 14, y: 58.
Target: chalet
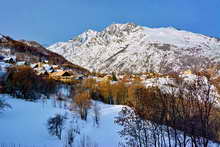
x: 34, y: 65
x: 61, y: 74
x: 79, y: 77
x: 42, y: 73
x: 55, y: 67
x: 143, y: 77
x: 21, y: 63
x: 187, y: 72
x: 108, y: 77
x: 127, y: 78
x: 39, y: 64
x: 48, y: 68
x: 120, y: 77
x: 9, y: 60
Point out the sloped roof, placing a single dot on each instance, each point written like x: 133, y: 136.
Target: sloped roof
x: 61, y: 73
x: 1, y: 57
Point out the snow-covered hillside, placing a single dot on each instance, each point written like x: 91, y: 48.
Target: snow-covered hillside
x: 128, y: 47
x: 26, y: 124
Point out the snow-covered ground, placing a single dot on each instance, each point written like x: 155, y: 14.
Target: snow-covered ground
x: 3, y: 68
x: 25, y: 124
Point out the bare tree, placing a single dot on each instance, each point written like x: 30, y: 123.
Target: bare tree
x: 4, y: 105
x: 71, y: 135
x: 96, y: 111
x: 55, y: 125
x: 136, y: 131
x: 184, y: 114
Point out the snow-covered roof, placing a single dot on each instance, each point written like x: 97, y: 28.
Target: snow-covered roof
x: 48, y: 68
x: 9, y: 58
x: 21, y: 63
x: 34, y: 65
x: 61, y: 73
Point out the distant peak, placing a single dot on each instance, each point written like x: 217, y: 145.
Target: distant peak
x: 172, y: 28
x: 126, y: 26
x: 91, y: 31
x: 85, y: 36
x: 121, y: 25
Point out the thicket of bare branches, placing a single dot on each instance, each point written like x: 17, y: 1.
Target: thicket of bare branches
x: 184, y: 113
x: 182, y: 116
x: 3, y: 105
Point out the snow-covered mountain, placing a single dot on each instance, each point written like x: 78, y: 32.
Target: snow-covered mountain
x: 133, y: 48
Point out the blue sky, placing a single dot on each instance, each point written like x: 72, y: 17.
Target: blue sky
x: 50, y: 21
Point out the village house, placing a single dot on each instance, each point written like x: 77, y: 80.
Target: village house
x: 79, y: 77
x: 56, y: 67
x: 187, y: 72
x: 105, y: 78
x: 61, y: 74
x: 48, y: 68
x: 35, y: 65
x: 9, y: 60
x: 127, y: 78
x: 65, y: 76
x: 43, y: 73
x: 20, y: 63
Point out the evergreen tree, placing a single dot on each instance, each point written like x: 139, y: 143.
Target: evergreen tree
x: 114, y: 78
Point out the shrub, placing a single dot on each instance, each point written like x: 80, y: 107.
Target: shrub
x: 105, y: 91
x: 119, y: 92
x: 89, y: 84
x: 83, y: 102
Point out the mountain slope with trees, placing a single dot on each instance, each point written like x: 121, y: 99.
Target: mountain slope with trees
x: 32, y: 52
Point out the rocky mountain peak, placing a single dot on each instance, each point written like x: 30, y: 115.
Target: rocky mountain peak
x: 132, y: 48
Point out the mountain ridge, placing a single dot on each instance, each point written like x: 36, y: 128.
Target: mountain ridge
x: 161, y: 50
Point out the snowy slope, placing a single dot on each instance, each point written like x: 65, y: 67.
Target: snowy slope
x: 3, y: 68
x: 128, y: 47
x: 25, y: 124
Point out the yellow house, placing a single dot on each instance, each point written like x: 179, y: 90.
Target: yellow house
x: 189, y: 72
x: 106, y: 78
